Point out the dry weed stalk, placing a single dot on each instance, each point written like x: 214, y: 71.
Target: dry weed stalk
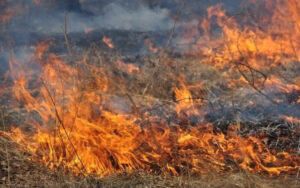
x: 66, y: 37
x: 6, y: 149
x: 162, y: 52
x: 63, y: 126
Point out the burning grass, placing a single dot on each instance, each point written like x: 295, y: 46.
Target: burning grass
x: 23, y: 172
x: 228, y: 112
x: 89, y: 120
x: 99, y: 123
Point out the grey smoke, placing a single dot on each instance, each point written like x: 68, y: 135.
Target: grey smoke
x: 112, y: 16
x: 141, y: 19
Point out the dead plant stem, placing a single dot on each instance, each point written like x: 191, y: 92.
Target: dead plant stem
x: 6, y: 149
x: 161, y: 53
x: 63, y: 126
x: 66, y: 36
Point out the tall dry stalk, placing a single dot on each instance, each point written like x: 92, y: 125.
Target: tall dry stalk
x: 6, y: 149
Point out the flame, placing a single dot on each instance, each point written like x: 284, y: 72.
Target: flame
x: 273, y: 42
x: 9, y: 10
x: 291, y: 119
x: 108, y: 42
x: 184, y: 98
x: 280, y: 85
x: 7, y: 14
x: 88, y: 30
x: 186, y: 104
x: 128, y: 67
x: 42, y: 47
x: 151, y: 46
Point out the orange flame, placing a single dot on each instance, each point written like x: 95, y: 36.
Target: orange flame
x: 88, y: 30
x: 108, y: 42
x: 128, y: 67
x: 150, y: 46
x: 42, y: 47
x: 274, y: 41
x: 7, y: 14
x: 184, y: 98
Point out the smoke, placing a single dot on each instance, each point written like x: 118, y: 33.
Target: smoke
x: 49, y: 18
x: 141, y: 19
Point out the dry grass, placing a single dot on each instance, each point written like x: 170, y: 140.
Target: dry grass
x: 26, y: 173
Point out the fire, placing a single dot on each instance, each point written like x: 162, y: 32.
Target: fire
x: 278, y: 83
x: 108, y: 42
x: 88, y: 30
x: 42, y: 47
x: 292, y: 119
x: 7, y: 15
x: 184, y: 98
x: 151, y: 46
x: 77, y: 133
x: 9, y: 10
x: 249, y: 42
x: 127, y: 67
x: 73, y: 129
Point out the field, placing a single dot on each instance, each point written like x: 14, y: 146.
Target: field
x: 209, y: 102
